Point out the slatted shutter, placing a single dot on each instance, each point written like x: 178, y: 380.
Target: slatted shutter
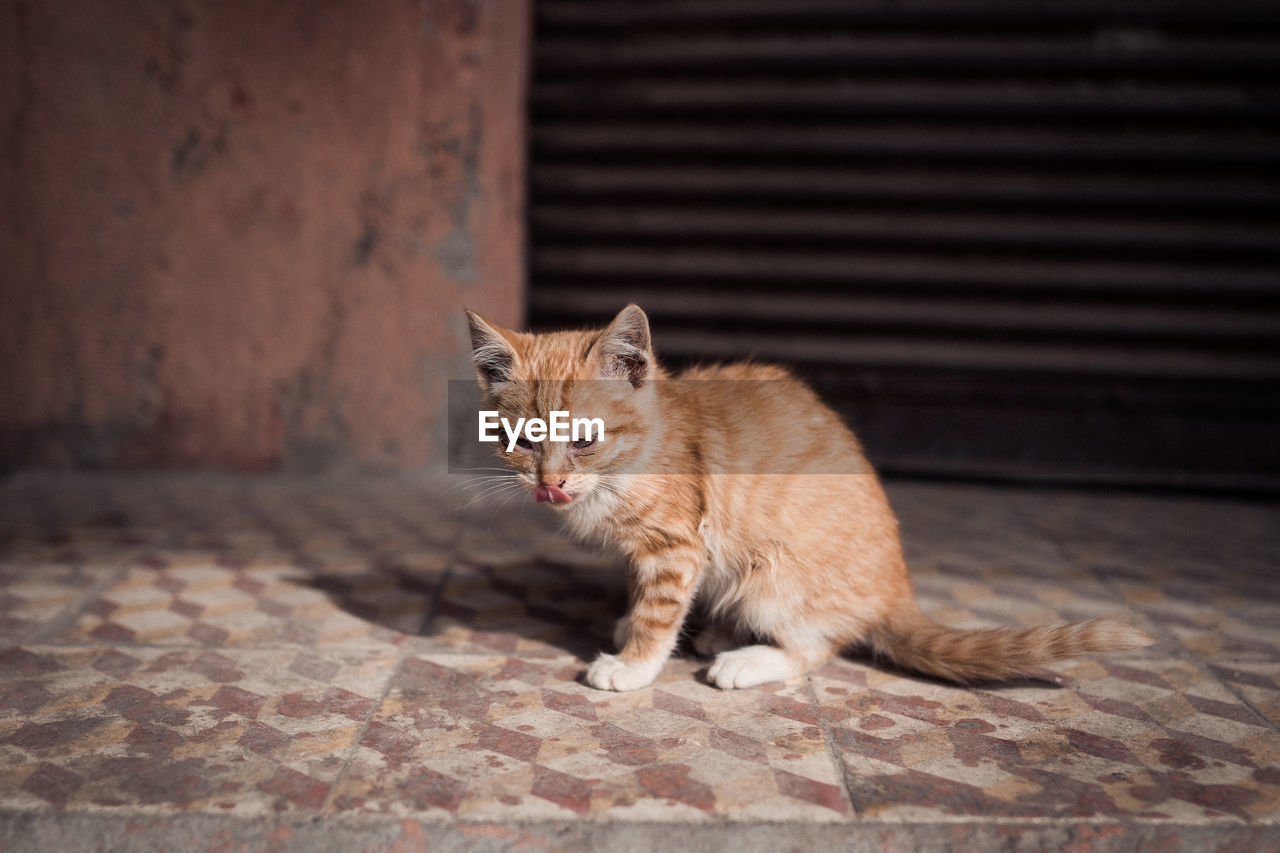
x: 1037, y: 239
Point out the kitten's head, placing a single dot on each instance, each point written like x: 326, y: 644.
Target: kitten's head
x: 606, y: 374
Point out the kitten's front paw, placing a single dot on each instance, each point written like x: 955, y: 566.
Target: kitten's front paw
x: 609, y: 672
x: 749, y: 666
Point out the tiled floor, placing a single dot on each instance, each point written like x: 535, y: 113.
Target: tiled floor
x: 224, y: 663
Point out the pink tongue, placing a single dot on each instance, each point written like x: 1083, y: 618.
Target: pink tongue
x: 551, y: 493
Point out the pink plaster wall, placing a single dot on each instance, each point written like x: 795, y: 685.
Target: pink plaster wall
x: 239, y: 234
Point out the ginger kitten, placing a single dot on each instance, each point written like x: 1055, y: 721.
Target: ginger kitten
x: 722, y: 491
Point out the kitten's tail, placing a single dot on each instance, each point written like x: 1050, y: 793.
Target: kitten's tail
x: 994, y: 654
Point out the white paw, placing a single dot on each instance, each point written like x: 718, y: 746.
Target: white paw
x: 609, y: 672
x: 749, y: 666
x: 712, y: 641
x: 621, y: 632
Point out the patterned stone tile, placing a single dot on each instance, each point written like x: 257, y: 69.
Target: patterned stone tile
x: 227, y: 643
x: 219, y: 561
x: 1257, y: 682
x: 1213, y: 535
x: 196, y: 599
x: 144, y: 729
x: 41, y: 584
x: 503, y: 738
x: 966, y: 593
x: 1130, y: 738
x: 1202, y: 570
x: 235, y: 518
x: 986, y: 557
x: 522, y: 586
x: 1212, y: 620
x: 1196, y: 574
x: 964, y: 520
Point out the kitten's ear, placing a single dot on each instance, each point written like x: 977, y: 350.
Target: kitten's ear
x: 491, y: 353
x: 624, y: 350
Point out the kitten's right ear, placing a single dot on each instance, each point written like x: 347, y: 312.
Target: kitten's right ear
x: 491, y: 353
x: 624, y: 350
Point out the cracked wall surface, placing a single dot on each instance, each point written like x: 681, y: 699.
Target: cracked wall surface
x: 240, y: 235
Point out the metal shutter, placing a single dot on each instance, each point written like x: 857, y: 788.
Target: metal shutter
x: 1018, y: 239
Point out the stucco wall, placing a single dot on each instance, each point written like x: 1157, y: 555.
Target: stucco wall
x: 239, y: 234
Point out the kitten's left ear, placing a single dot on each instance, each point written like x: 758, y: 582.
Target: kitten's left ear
x: 624, y: 350
x: 492, y: 355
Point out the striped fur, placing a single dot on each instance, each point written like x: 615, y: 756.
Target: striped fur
x: 736, y: 490
x: 994, y: 654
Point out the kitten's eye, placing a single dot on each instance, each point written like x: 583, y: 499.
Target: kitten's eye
x: 583, y: 442
x: 524, y: 443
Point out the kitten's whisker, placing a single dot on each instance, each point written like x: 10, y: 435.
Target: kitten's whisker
x: 477, y: 500
x: 490, y: 488
x: 491, y: 491
x: 504, y: 502
x: 480, y: 481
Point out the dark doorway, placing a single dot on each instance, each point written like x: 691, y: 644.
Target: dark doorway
x: 1029, y: 240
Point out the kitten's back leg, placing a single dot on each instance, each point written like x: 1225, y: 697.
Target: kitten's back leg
x: 759, y: 664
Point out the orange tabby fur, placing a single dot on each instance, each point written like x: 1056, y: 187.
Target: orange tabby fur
x: 806, y: 559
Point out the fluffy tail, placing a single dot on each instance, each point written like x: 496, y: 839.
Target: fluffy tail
x: 994, y: 654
